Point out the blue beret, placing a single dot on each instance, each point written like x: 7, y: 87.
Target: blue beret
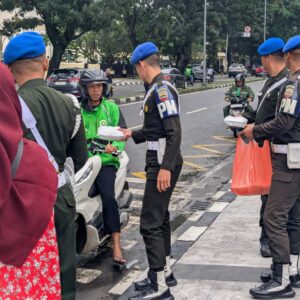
x: 25, y: 45
x: 143, y: 51
x: 293, y: 43
x: 270, y: 46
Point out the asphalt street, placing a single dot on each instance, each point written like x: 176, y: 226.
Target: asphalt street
x: 206, y: 143
x: 203, y: 129
x: 138, y: 89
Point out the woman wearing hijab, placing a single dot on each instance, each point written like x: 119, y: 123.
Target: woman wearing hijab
x: 29, y: 267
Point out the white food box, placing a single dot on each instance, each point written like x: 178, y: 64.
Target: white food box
x: 238, y: 122
x: 110, y: 133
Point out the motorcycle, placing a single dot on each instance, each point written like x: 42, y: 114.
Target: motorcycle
x: 90, y: 234
x: 235, y: 121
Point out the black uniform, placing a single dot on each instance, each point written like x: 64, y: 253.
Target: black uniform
x: 283, y: 203
x: 265, y: 113
x: 56, y: 117
x: 161, y: 110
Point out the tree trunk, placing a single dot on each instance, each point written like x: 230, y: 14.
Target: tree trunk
x: 184, y: 57
x: 58, y: 51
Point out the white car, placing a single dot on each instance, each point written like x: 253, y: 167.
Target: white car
x: 235, y: 69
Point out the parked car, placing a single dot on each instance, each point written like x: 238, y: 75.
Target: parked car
x: 66, y: 81
x: 258, y: 71
x: 174, y: 76
x: 235, y: 69
x: 198, y: 73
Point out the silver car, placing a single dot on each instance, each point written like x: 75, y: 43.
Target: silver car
x: 235, y: 69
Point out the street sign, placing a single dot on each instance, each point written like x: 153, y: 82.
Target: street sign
x: 247, y: 29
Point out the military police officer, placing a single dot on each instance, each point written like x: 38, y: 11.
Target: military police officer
x: 162, y: 133
x: 284, y: 197
x: 272, y: 60
x: 59, y: 123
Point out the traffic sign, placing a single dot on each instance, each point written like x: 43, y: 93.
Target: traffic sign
x: 247, y: 29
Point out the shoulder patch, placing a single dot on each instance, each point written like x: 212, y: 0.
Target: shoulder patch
x: 162, y: 93
x: 290, y: 104
x: 166, y: 103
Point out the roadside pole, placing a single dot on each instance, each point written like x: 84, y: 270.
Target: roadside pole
x: 204, y: 44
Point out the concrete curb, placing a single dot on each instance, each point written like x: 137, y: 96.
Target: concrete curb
x: 200, y: 219
x: 127, y: 83
x: 124, y: 100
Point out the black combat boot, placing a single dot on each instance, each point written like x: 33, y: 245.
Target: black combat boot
x: 145, y: 283
x: 170, y: 278
x: 294, y: 275
x: 157, y: 290
x: 278, y: 287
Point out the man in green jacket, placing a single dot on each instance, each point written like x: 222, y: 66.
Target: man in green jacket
x: 97, y: 111
x: 59, y: 123
x: 188, y: 72
x: 241, y: 90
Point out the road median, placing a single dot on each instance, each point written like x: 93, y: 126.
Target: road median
x: 193, y: 89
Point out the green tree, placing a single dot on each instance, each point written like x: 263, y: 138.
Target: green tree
x: 64, y: 20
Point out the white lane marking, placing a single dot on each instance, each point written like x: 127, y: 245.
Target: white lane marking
x: 192, y: 234
x: 121, y: 287
x: 188, y: 113
x: 217, y: 207
x: 183, y: 95
x: 87, y: 275
x: 197, y: 110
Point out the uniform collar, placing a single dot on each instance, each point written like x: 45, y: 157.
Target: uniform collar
x: 156, y: 79
x: 34, y: 82
x: 284, y: 72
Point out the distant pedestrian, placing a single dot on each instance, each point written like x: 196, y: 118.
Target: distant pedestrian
x: 110, y: 88
x: 188, y: 72
x: 211, y: 73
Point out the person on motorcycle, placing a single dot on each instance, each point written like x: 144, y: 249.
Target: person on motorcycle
x: 211, y: 73
x: 98, y: 111
x: 241, y: 90
x: 188, y: 72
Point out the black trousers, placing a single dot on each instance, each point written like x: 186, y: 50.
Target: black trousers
x: 155, y: 219
x: 105, y: 183
x: 282, y: 215
x: 263, y: 236
x: 64, y: 217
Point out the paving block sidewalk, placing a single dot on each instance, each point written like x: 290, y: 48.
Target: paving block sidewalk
x: 224, y: 262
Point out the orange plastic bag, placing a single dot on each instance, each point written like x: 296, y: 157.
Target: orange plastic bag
x: 252, y: 169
